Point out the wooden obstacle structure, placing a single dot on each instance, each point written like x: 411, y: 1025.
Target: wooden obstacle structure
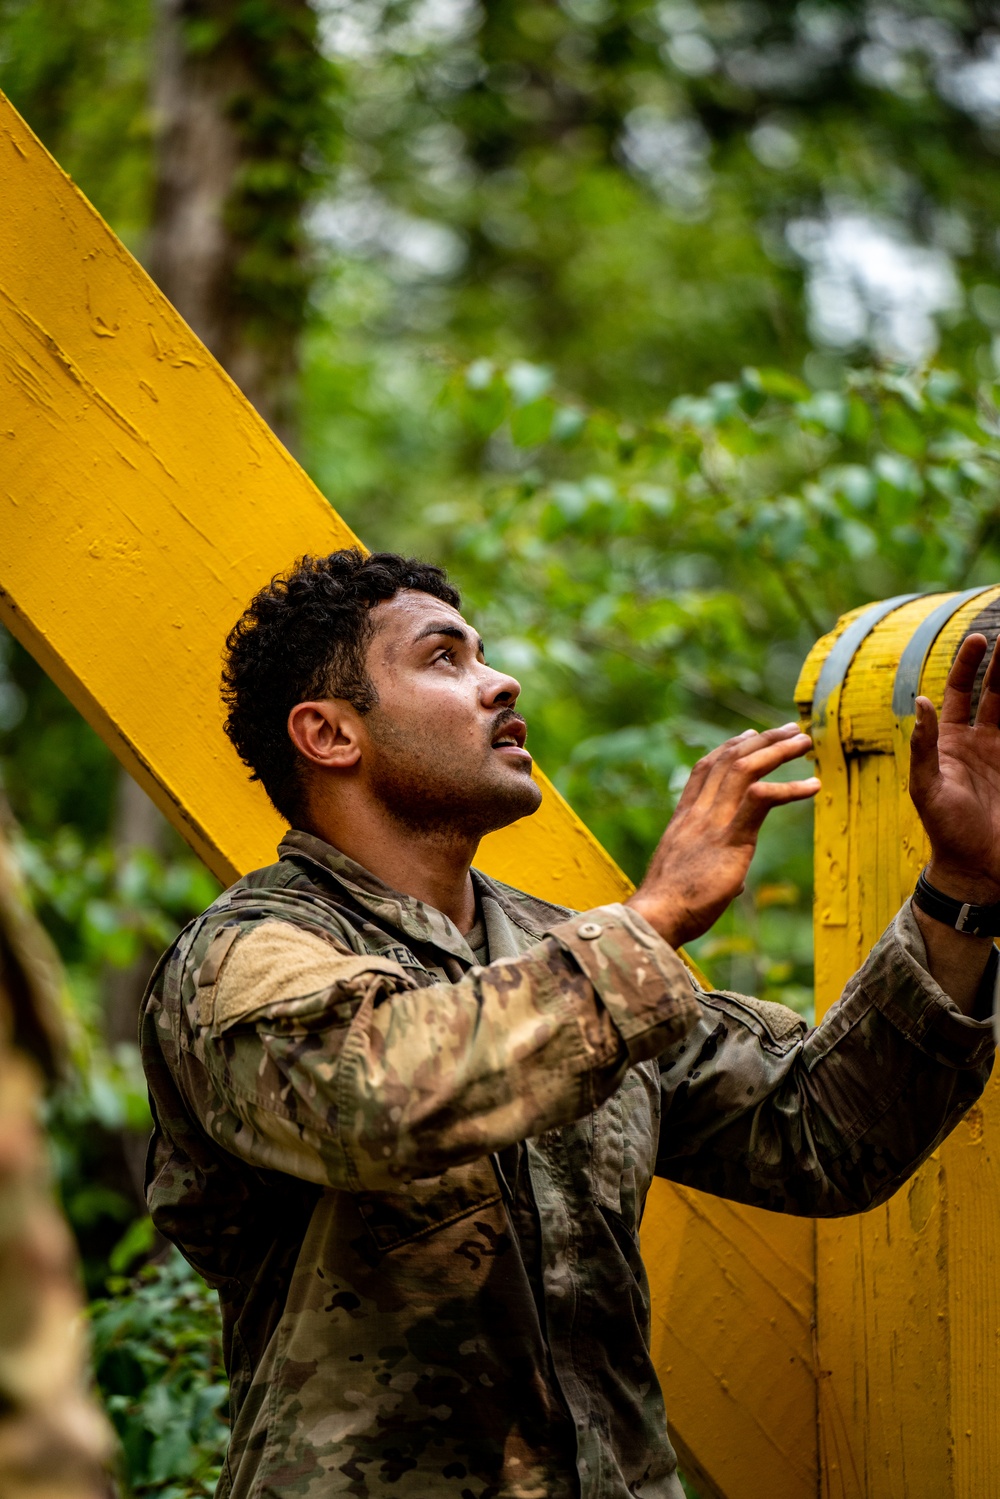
x: 142, y: 503
x: 907, y: 1301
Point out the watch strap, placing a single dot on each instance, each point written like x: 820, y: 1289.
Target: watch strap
x: 972, y: 921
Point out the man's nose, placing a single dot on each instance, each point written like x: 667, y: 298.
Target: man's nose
x: 499, y: 690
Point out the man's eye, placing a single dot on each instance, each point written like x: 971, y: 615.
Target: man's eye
x: 445, y: 656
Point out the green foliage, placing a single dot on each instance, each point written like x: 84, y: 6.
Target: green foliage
x: 637, y: 193
x: 158, y: 1357
x: 86, y: 1121
x: 79, y: 73
x: 106, y: 907
x: 106, y: 910
x: 56, y: 771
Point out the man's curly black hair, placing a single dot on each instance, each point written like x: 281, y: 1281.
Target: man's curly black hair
x: 306, y: 636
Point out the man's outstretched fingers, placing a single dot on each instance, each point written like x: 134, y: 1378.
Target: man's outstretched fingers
x: 763, y: 795
x: 747, y: 746
x: 777, y: 793
x: 762, y: 761
x: 988, y: 712
x: 755, y: 755
x: 741, y: 774
x: 719, y: 762
x: 957, y: 704
x: 704, y: 768
x: 923, y: 748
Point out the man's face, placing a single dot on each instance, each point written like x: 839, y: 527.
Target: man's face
x: 443, y: 747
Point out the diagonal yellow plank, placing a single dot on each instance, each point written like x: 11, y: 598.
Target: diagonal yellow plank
x: 142, y: 502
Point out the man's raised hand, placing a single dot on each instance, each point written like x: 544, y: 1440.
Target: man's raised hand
x: 701, y: 861
x: 955, y: 779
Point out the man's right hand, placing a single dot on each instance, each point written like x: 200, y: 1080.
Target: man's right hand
x: 701, y: 862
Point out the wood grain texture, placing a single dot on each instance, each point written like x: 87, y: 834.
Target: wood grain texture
x: 908, y: 1310
x: 142, y: 503
x: 716, y: 1266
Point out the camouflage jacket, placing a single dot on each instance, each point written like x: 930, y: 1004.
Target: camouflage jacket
x: 417, y: 1182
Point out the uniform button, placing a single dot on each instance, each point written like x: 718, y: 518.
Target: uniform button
x: 589, y: 930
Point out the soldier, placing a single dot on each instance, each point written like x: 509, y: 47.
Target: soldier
x: 54, y: 1442
x: 407, y: 1116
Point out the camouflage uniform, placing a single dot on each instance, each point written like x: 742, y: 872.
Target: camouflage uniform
x: 54, y: 1442
x: 417, y: 1181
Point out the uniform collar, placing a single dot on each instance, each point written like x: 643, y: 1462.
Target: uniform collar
x: 506, y: 927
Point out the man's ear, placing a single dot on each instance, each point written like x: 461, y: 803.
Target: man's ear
x: 326, y: 733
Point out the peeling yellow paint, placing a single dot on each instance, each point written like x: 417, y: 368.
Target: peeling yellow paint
x: 143, y: 503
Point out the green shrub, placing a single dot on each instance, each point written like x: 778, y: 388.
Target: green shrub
x: 158, y: 1357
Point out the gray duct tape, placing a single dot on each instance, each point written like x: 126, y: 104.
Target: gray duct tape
x: 845, y: 648
x: 911, y: 662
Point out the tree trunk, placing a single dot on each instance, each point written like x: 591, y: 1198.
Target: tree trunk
x: 138, y: 825
x: 240, y: 99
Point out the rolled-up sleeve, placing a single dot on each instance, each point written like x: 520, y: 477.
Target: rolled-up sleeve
x: 830, y: 1120
x: 349, y: 1071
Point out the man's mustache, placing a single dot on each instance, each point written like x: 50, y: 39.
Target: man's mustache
x: 503, y: 718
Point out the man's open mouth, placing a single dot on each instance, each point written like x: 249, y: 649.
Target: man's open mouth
x: 511, y: 735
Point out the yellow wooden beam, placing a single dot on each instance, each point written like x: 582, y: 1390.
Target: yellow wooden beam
x: 142, y: 503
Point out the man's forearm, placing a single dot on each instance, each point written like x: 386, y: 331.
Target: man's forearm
x: 955, y: 960
x: 830, y: 1121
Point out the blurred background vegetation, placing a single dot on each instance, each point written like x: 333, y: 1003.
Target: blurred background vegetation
x: 672, y: 329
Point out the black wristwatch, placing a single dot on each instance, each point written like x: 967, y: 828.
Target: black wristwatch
x: 973, y: 921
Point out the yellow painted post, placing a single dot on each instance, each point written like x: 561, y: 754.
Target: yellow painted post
x: 142, y: 502
x: 908, y: 1313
